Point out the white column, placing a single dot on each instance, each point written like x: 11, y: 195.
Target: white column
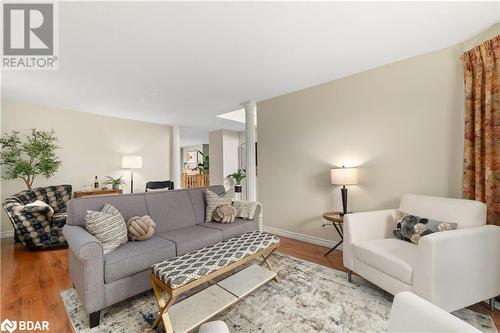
x: 176, y: 156
x: 250, y: 116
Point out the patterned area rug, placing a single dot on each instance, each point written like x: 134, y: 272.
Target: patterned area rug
x: 310, y: 298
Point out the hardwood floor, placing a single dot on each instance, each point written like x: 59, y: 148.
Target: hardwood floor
x: 31, y: 280
x: 30, y: 283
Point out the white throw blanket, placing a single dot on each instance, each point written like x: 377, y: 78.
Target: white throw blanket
x: 245, y: 209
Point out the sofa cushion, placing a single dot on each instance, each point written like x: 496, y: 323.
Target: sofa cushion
x: 192, y: 238
x: 236, y: 228
x: 392, y: 256
x: 128, y: 204
x: 170, y: 209
x: 133, y: 257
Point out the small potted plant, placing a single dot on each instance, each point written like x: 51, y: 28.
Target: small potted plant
x: 115, y: 183
x: 238, y: 177
x: 204, y: 166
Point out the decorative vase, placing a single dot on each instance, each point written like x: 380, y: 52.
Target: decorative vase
x: 237, y: 188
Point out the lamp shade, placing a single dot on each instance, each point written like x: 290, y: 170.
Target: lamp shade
x: 344, y: 176
x: 131, y: 162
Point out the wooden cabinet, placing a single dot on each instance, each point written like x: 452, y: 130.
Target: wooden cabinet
x: 81, y: 194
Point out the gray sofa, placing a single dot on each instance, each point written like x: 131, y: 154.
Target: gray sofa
x: 102, y: 280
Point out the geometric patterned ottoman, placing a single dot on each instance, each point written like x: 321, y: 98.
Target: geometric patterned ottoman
x: 185, y: 272
x: 179, y: 271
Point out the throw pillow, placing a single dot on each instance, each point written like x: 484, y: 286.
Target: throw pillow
x: 41, y: 204
x: 213, y: 200
x: 140, y: 228
x: 411, y: 228
x: 224, y: 214
x: 245, y: 209
x: 108, y: 226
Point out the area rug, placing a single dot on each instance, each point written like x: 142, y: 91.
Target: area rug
x: 309, y: 298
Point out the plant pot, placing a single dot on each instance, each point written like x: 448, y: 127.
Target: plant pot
x: 116, y: 187
x: 237, y: 188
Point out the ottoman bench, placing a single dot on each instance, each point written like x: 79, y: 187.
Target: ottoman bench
x: 178, y: 275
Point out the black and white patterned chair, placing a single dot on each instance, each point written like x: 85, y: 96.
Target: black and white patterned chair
x: 39, y: 226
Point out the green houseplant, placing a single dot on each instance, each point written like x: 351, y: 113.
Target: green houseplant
x: 204, y: 166
x: 28, y: 158
x: 238, y: 177
x: 115, y: 183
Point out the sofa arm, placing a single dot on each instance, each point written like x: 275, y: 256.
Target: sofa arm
x: 258, y: 215
x: 82, y: 243
x: 410, y: 313
x: 458, y: 268
x: 86, y: 266
x: 377, y: 224
x: 25, y: 218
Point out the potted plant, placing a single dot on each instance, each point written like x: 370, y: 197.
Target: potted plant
x: 238, y: 177
x: 115, y: 183
x: 26, y: 160
x: 202, y: 167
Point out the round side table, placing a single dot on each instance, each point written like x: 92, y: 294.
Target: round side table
x: 337, y: 220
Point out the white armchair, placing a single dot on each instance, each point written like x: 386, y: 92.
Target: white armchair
x: 451, y: 269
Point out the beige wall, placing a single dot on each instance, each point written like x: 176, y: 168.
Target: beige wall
x: 91, y: 145
x: 402, y: 124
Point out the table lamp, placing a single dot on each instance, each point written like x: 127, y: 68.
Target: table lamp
x: 344, y: 176
x: 131, y: 162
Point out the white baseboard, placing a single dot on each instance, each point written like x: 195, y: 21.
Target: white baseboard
x: 6, y: 234
x: 301, y: 237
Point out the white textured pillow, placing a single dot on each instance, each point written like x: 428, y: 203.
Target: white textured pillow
x: 108, y: 226
x: 40, y: 203
x: 213, y: 200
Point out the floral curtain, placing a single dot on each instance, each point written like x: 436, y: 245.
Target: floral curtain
x: 482, y: 126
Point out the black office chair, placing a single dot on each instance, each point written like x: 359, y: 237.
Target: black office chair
x: 160, y: 185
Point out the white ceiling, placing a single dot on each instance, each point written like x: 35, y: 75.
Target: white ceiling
x: 187, y: 62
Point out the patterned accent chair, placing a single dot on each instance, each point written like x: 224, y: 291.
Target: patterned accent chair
x: 39, y: 226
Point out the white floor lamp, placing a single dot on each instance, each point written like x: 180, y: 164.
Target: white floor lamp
x: 131, y: 162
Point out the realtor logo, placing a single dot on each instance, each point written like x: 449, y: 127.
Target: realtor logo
x: 30, y: 36
x: 24, y: 325
x: 8, y: 326
x: 28, y: 29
